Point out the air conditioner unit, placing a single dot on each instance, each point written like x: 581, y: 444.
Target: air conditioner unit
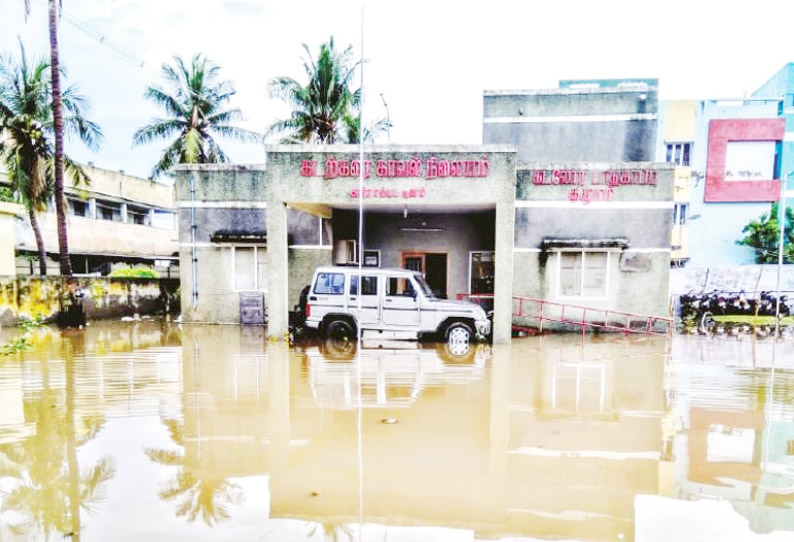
x: 345, y: 252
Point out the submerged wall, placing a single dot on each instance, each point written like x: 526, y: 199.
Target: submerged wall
x: 32, y: 298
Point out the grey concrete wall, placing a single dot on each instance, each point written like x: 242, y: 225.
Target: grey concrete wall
x: 629, y: 140
x: 302, y: 263
x: 210, y: 221
x: 217, y: 301
x: 564, y: 124
x: 567, y: 102
x: 220, y: 185
x: 644, y: 228
x: 640, y: 213
x: 217, y: 182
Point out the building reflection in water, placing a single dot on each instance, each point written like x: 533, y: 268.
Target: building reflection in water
x: 734, y: 423
x: 542, y: 438
x: 550, y: 437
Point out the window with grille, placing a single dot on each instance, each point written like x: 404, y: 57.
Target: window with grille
x: 678, y: 153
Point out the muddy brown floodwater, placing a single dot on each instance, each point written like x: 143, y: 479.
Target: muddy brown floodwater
x: 150, y: 431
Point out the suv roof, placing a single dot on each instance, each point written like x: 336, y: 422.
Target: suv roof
x: 365, y: 270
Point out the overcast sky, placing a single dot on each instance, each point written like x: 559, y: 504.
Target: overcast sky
x: 431, y: 60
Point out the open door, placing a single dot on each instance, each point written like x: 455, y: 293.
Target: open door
x: 432, y: 265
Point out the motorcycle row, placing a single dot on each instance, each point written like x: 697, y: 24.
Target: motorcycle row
x: 698, y: 310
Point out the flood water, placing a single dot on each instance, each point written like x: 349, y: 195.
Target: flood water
x: 148, y: 431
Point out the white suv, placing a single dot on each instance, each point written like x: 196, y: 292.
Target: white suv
x: 397, y: 303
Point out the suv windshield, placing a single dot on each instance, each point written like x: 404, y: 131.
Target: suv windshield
x: 426, y: 289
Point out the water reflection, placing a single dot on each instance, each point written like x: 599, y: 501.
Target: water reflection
x: 213, y: 433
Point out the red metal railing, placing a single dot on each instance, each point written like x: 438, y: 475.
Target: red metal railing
x: 579, y: 315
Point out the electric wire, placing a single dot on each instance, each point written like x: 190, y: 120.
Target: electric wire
x: 103, y: 40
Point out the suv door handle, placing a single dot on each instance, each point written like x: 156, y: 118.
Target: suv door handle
x: 312, y: 298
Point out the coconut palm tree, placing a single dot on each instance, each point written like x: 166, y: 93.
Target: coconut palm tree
x: 28, y: 121
x: 325, y: 110
x: 59, y: 159
x: 194, y: 101
x: 196, y: 495
x: 49, y: 489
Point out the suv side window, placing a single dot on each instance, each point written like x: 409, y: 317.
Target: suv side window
x: 399, y: 286
x: 330, y: 283
x: 369, y: 285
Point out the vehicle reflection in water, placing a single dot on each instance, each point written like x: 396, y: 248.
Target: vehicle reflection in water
x: 214, y: 433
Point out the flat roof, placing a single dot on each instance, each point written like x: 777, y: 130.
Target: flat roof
x: 570, y: 91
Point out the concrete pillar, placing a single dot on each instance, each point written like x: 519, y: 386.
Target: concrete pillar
x: 8, y: 211
x: 503, y: 273
x: 277, y: 296
x: 123, y: 210
x: 92, y: 208
x: 278, y: 369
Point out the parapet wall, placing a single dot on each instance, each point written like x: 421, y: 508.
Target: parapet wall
x: 31, y: 298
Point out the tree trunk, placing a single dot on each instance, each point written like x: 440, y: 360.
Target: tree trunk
x: 72, y: 464
x: 34, y: 223
x: 60, y: 200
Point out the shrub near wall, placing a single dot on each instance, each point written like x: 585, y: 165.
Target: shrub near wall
x: 31, y: 298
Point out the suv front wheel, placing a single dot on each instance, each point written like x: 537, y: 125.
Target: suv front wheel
x: 459, y: 333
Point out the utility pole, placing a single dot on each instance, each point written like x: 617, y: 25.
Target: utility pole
x: 781, y: 221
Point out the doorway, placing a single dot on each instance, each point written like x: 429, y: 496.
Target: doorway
x: 433, y: 265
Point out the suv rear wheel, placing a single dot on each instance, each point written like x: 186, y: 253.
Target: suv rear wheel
x: 459, y: 333
x: 340, y: 330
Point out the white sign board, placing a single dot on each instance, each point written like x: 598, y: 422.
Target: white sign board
x: 750, y: 161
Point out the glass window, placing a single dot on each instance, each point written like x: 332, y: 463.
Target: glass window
x: 244, y: 276
x: 326, y: 233
x: 594, y: 281
x: 583, y: 274
x: 370, y: 285
x: 330, y: 283
x: 261, y: 268
x: 397, y: 286
x: 482, y: 273
x: 79, y: 208
x: 680, y: 213
x: 678, y: 153
x: 570, y: 274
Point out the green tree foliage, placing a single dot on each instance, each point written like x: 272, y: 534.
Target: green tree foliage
x: 28, y: 122
x: 7, y: 194
x: 135, y: 273
x: 325, y: 110
x: 195, y: 104
x: 763, y: 236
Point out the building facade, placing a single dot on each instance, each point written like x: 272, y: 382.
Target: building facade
x: 470, y: 218
x: 604, y: 120
x: 737, y: 152
x: 116, y: 220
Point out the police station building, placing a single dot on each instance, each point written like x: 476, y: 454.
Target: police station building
x: 470, y: 218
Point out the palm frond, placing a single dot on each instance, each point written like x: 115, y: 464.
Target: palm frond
x: 158, y: 129
x: 193, y: 99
